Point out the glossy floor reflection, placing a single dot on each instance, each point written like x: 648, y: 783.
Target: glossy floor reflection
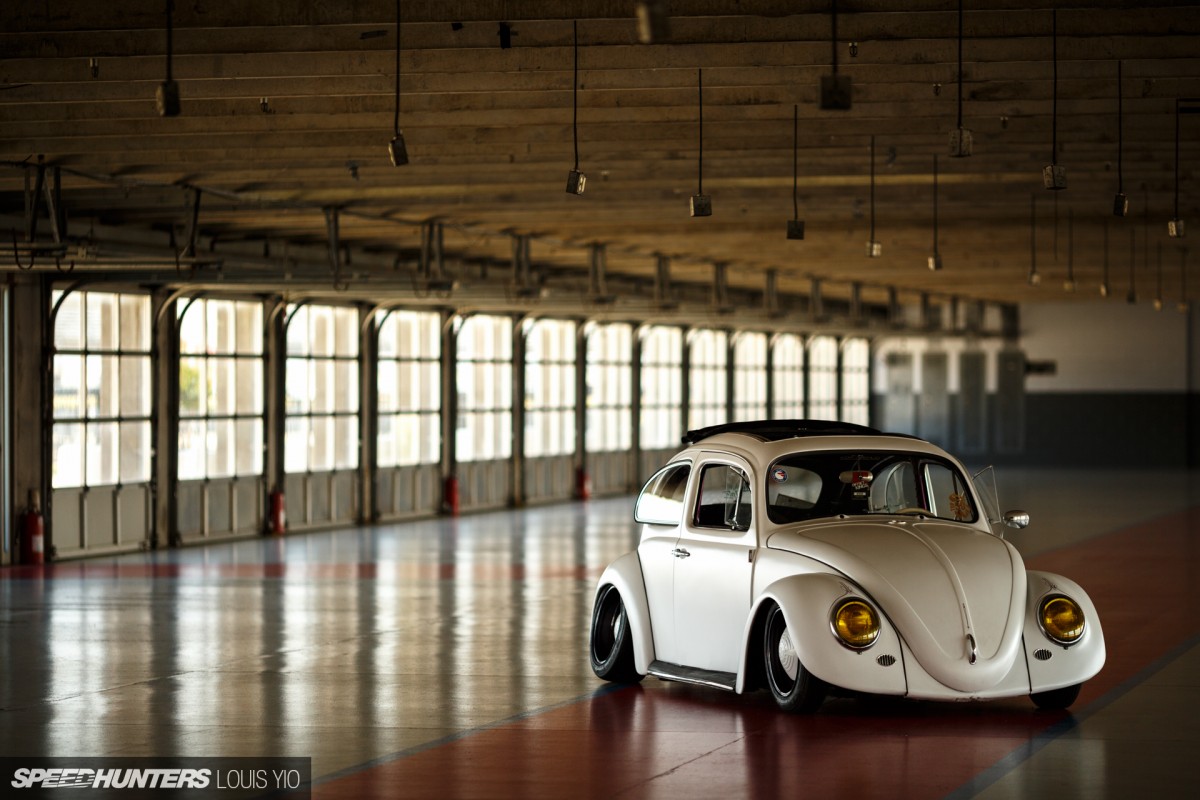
x: 446, y: 658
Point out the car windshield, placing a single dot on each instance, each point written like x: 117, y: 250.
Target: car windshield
x: 810, y: 485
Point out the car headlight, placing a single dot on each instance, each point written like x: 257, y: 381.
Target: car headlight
x: 855, y: 623
x: 1061, y: 619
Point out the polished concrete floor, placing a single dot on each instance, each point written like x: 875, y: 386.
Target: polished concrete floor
x: 447, y: 658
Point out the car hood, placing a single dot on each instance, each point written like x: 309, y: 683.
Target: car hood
x: 942, y: 584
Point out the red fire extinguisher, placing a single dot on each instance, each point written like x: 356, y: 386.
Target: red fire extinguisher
x: 450, y: 495
x: 277, y: 520
x: 33, y: 531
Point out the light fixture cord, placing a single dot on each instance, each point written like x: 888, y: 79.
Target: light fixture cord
x: 795, y: 162
x: 1132, y: 258
x: 396, y: 116
x: 935, y: 204
x: 834, y: 39
x: 1054, y: 107
x: 1032, y: 235
x: 1105, y: 284
x: 960, y: 62
x: 1177, y: 158
x: 170, y: 46
x: 1070, y: 243
x: 700, y: 157
x: 575, y: 94
x: 1158, y: 262
x: 1120, y: 133
x: 872, y: 189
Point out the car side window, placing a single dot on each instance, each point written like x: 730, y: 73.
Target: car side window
x: 894, y: 489
x: 948, y: 496
x: 661, y: 500
x: 724, y: 498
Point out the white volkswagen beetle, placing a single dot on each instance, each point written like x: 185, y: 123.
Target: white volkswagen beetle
x: 811, y: 558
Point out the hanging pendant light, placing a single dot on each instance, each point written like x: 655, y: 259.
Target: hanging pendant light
x: 575, y: 179
x: 874, y: 248
x: 795, y: 226
x: 1184, y: 306
x: 935, y: 260
x: 1034, y: 278
x: 1158, y: 294
x: 1175, y: 227
x: 1120, y: 202
x: 961, y: 141
x: 1069, y: 283
x: 700, y: 204
x: 1104, y: 282
x: 1054, y: 176
x: 397, y: 152
x: 166, y: 98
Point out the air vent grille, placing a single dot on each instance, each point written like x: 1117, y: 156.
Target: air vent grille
x: 885, y: 660
x: 1042, y: 654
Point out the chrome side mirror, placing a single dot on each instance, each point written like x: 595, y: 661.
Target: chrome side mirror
x: 1016, y: 519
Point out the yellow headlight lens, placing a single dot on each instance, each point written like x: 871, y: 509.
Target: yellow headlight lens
x: 1061, y: 619
x: 856, y: 623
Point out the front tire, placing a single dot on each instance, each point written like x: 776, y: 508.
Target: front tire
x: 795, y: 689
x: 1056, y: 699
x: 611, y: 649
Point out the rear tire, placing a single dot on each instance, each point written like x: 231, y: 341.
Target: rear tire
x: 1056, y: 699
x: 611, y: 649
x: 795, y: 689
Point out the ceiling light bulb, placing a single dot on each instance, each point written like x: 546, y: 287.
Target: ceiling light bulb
x: 1175, y: 228
x: 874, y: 249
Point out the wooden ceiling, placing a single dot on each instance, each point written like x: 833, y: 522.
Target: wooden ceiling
x: 287, y: 112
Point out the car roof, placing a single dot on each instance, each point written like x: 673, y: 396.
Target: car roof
x: 774, y: 430
x: 764, y: 441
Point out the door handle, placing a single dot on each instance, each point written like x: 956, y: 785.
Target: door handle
x: 679, y: 552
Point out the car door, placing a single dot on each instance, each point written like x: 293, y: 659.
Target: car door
x: 660, y: 510
x: 714, y: 566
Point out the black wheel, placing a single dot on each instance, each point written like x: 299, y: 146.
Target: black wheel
x: 1056, y: 699
x: 795, y: 689
x: 611, y: 648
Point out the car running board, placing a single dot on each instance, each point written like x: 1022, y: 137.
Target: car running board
x: 703, y: 677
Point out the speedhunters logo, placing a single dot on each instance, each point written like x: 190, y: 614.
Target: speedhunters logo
x: 74, y: 778
x: 177, y: 778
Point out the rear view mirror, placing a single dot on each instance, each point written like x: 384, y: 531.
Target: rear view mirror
x: 1016, y: 519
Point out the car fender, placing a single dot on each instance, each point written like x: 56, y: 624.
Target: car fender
x: 626, y: 575
x: 1052, y: 665
x: 806, y: 601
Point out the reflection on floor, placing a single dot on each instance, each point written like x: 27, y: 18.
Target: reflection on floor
x: 447, y: 657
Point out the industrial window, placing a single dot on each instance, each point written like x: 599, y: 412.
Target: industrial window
x: 750, y: 376
x: 484, y: 381
x: 609, y: 381
x: 856, y: 384
x: 101, y: 413
x: 321, y: 422
x: 220, y: 389
x: 707, y: 401
x: 823, y: 377
x: 410, y: 389
x: 787, y: 369
x: 550, y: 388
x: 661, y: 387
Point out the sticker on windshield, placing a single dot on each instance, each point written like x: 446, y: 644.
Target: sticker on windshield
x: 780, y: 475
